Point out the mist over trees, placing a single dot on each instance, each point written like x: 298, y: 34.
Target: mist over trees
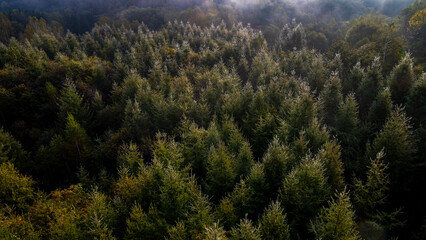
x: 225, y: 119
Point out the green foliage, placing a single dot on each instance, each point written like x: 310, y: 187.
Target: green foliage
x: 401, y: 79
x: 215, y: 232
x: 245, y: 230
x: 11, y: 150
x: 130, y: 157
x: 16, y: 190
x: 397, y: 141
x: 372, y: 194
x: 330, y: 157
x: 276, y: 164
x: 273, y: 224
x: 303, y: 193
x: 168, y: 130
x: 337, y: 221
x: 416, y: 103
x: 347, y: 116
x: 381, y: 109
x: 220, y: 177
x: 141, y: 225
x: 371, y: 84
x: 70, y: 102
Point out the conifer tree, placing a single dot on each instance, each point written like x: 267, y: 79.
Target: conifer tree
x: 303, y: 193
x: 330, y: 156
x: 370, y: 195
x: 370, y: 86
x: 198, y: 216
x: 331, y: 96
x: 401, y: 80
x: 130, y: 157
x: 215, y: 232
x: 273, y: 225
x: 195, y: 149
x: 381, y: 109
x: 396, y: 138
x: 70, y: 102
x: 220, y: 174
x: 141, y: 225
x: 168, y: 152
x: 244, y: 160
x: 347, y: 116
x: 276, y: 164
x: 256, y: 182
x: 336, y: 222
x: 352, y: 83
x: 417, y: 101
x: 12, y: 150
x: 245, y: 231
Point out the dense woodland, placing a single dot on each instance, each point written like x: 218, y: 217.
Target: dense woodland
x: 211, y: 120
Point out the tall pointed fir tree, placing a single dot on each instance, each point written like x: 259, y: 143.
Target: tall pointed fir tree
x: 337, y: 221
x: 331, y: 96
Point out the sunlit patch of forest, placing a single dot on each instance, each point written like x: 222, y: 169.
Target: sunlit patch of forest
x: 201, y: 119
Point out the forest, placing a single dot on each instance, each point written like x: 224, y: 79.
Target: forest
x: 212, y: 119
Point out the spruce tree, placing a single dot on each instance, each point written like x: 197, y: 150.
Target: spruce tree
x: 220, y: 176
x: 276, y: 164
x: 330, y: 156
x: 245, y: 231
x: 370, y: 86
x: 401, y: 80
x: 347, y: 116
x: 370, y: 195
x: 331, y: 96
x: 303, y: 193
x: 380, y: 110
x: 274, y: 225
x: 336, y: 222
x: 396, y: 138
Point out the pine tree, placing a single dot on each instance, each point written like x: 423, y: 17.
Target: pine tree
x: 141, y: 225
x: 198, y: 216
x: 130, y: 157
x: 220, y: 174
x: 276, y: 164
x: 352, y: 83
x: 337, y: 221
x: 331, y: 96
x: 401, y: 80
x: 381, y: 109
x: 245, y: 231
x: 215, y: 232
x: 372, y: 194
x: 347, y: 116
x: 301, y: 115
x: 416, y: 103
x: 256, y: 182
x: 330, y: 157
x: 396, y: 138
x: 195, y: 149
x: 244, y: 160
x: 70, y: 102
x: 370, y: 86
x: 303, y: 193
x: 273, y: 225
x: 168, y: 152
